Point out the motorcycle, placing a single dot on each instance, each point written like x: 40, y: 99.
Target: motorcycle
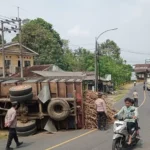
x: 121, y: 136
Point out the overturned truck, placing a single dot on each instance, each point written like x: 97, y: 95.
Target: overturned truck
x: 41, y: 100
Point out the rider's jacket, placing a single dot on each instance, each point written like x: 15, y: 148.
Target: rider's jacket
x: 127, y: 113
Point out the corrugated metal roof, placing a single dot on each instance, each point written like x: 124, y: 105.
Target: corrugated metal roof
x: 10, y: 81
x: 32, y: 80
x: 28, y: 72
x: 93, y: 78
x: 60, y: 74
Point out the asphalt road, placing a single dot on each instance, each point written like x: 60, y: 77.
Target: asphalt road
x: 89, y: 139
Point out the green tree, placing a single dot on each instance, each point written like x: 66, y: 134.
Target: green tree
x: 112, y: 63
x: 84, y: 59
x: 69, y: 62
x: 77, y: 60
x: 40, y: 36
x: 110, y: 48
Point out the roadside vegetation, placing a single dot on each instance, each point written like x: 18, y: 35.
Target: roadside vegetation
x: 40, y: 36
x: 121, y: 92
x: 3, y: 134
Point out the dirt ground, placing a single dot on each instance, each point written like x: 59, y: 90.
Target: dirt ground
x: 3, y: 134
x: 120, y: 93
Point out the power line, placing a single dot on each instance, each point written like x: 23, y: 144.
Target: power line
x: 81, y: 44
x: 128, y: 51
x: 7, y: 29
x: 31, y: 13
x: 122, y: 49
x: 4, y: 17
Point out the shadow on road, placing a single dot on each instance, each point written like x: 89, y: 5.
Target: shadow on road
x: 26, y: 145
x: 139, y: 145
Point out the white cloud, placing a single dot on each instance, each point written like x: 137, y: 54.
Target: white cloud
x: 77, y: 31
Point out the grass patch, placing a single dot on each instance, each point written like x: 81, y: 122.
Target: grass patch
x: 122, y: 91
x: 120, y: 95
x: 3, y: 134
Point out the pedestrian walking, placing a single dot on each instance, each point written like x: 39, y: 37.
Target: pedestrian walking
x: 144, y: 87
x: 101, y: 112
x: 135, y: 96
x: 11, y: 122
x: 134, y: 83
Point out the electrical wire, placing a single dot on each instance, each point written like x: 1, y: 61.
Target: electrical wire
x: 4, y: 17
x: 128, y: 51
x: 122, y: 49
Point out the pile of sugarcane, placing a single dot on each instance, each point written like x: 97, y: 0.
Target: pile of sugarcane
x: 90, y: 112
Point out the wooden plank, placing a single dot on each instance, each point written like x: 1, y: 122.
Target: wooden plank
x: 53, y: 87
x: 70, y: 89
x: 61, y: 89
x: 82, y: 106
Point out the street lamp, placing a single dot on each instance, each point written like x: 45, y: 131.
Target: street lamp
x: 96, y: 52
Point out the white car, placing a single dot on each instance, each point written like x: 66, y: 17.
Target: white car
x: 148, y: 83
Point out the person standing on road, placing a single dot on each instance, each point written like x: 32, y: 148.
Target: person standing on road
x: 134, y: 83
x: 11, y: 122
x: 136, y: 120
x: 144, y: 87
x: 135, y: 96
x: 101, y: 112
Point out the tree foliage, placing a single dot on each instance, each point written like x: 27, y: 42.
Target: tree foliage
x: 40, y: 36
x: 110, y: 48
x: 78, y: 60
x: 119, y: 71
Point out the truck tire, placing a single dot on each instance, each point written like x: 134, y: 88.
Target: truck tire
x: 20, y: 90
x: 22, y: 98
x: 23, y: 127
x: 58, y: 109
x: 28, y: 133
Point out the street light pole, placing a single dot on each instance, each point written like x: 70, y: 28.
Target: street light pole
x: 96, y: 71
x: 96, y: 52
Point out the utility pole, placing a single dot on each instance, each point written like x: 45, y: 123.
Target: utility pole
x: 96, y: 68
x: 5, y: 29
x: 3, y: 53
x: 20, y: 44
x: 96, y: 56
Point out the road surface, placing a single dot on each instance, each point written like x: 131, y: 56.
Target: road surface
x: 89, y: 139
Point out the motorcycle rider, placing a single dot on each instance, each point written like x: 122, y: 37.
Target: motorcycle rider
x: 130, y: 115
x: 135, y: 96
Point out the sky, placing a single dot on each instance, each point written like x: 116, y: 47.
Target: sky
x: 80, y: 21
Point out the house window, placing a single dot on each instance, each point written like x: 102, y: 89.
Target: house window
x: 7, y: 63
x: 27, y: 63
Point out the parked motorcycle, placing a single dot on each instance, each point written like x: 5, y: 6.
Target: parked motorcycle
x: 120, y: 137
